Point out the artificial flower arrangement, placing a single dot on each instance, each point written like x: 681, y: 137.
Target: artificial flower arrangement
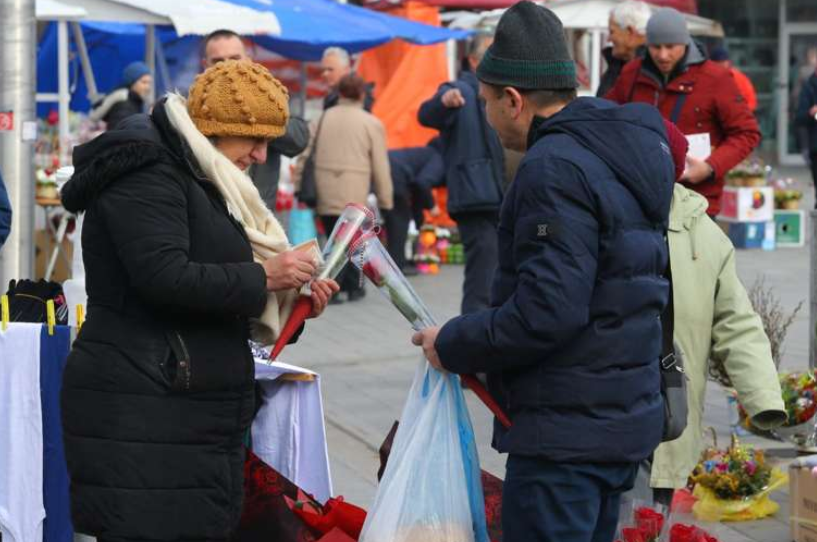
x: 786, y: 196
x: 787, y: 199
x: 752, y: 172
x: 735, y: 484
x: 47, y: 183
x: 648, y: 525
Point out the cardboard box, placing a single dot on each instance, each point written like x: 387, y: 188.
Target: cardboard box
x: 803, y: 494
x: 752, y: 235
x: 790, y: 228
x: 747, y: 204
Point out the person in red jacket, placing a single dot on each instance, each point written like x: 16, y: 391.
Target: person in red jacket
x: 698, y: 95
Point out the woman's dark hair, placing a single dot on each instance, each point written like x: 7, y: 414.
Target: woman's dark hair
x: 352, y: 87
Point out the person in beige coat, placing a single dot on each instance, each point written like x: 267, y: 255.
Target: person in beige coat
x: 351, y: 159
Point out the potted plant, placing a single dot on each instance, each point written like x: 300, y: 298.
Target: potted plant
x: 752, y: 172
x: 46, y: 185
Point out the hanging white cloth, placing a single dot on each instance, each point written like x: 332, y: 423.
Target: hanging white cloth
x: 288, y: 433
x: 21, y: 435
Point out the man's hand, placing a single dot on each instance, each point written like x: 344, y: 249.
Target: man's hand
x: 322, y: 291
x: 435, y: 211
x: 292, y: 269
x: 426, y: 339
x: 697, y: 171
x: 813, y: 111
x: 453, y: 99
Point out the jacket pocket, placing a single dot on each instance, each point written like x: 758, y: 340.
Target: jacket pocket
x: 476, y: 186
x: 178, y: 367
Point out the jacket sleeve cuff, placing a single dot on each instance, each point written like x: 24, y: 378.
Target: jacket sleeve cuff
x: 449, y: 348
x: 762, y: 401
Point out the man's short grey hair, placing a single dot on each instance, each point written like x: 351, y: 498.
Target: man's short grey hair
x: 632, y: 14
x: 339, y: 52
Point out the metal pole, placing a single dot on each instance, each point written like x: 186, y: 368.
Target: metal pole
x: 150, y: 58
x: 85, y: 60
x: 164, y: 71
x: 18, y: 39
x: 63, y: 90
x: 595, y: 61
x: 812, y: 343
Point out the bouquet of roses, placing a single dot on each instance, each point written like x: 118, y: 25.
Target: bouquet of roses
x: 352, y: 223
x: 649, y: 525
x: 646, y: 526
x: 734, y: 484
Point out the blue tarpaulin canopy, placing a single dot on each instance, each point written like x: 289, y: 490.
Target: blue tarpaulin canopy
x: 310, y: 26
x: 307, y: 28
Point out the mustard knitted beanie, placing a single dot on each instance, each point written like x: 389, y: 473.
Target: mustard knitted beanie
x: 239, y: 98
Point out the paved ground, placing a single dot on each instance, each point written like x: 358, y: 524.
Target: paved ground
x: 364, y: 355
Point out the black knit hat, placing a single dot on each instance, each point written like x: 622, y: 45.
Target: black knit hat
x: 529, y: 51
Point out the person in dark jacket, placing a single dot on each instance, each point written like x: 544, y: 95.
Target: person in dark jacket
x: 181, y: 258
x: 222, y: 45
x: 697, y: 95
x: 5, y: 213
x: 628, y: 36
x: 572, y: 340
x: 127, y: 99
x: 807, y: 120
x: 474, y: 173
x: 414, y: 172
x: 335, y: 65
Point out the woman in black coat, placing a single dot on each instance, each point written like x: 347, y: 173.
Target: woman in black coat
x: 181, y: 258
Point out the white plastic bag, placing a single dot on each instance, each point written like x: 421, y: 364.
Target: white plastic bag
x: 431, y: 490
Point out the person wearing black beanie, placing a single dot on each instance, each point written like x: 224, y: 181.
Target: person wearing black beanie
x: 572, y: 338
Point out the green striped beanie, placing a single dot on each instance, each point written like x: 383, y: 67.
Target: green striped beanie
x: 529, y: 51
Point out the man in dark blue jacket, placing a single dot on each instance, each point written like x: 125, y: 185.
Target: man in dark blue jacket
x: 5, y: 213
x: 807, y: 119
x: 414, y: 172
x: 474, y: 164
x: 572, y: 340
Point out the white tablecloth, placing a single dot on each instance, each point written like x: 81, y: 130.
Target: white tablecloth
x: 288, y: 433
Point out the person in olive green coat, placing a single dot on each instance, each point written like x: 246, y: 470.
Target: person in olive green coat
x: 714, y: 319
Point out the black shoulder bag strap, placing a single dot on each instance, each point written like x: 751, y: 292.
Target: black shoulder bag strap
x: 673, y: 379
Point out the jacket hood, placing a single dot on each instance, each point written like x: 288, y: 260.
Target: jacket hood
x: 139, y: 141
x: 688, y: 209
x: 630, y: 139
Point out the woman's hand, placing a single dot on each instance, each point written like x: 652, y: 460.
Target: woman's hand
x: 322, y: 291
x: 289, y: 270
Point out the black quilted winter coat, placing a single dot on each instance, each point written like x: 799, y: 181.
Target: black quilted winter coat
x: 158, y: 390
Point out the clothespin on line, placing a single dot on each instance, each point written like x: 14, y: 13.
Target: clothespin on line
x: 51, y: 316
x: 5, y: 317
x: 80, y: 316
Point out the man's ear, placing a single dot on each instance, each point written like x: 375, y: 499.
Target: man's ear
x: 515, y: 101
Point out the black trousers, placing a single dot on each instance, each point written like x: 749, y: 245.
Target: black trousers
x: 479, y: 238
x: 349, y: 278
x: 397, y: 223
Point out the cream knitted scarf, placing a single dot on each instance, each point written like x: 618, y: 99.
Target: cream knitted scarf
x: 244, y: 203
